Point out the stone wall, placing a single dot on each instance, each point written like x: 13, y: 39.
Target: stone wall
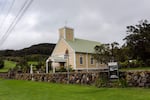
x: 3, y: 75
x: 138, y: 78
x: 74, y: 78
x: 131, y: 78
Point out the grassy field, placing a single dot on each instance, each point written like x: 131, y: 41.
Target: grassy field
x: 25, y: 90
x: 8, y: 65
x: 138, y: 68
x: 11, y: 64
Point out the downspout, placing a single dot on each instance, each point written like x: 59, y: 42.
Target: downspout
x: 87, y: 66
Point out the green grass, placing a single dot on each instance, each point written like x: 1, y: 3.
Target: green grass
x: 26, y: 90
x: 8, y: 65
x: 138, y: 68
x: 11, y: 64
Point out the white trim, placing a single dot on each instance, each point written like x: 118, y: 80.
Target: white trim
x: 87, y: 65
x: 53, y: 69
x: 47, y: 66
x: 75, y: 66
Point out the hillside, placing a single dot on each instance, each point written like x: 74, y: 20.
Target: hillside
x: 41, y: 49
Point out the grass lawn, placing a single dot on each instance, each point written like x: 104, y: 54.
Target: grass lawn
x: 138, y: 68
x: 27, y: 90
x: 8, y: 65
x: 11, y: 64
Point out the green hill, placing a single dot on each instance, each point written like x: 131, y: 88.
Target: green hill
x: 41, y: 49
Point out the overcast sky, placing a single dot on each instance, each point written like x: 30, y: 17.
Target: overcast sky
x: 100, y: 20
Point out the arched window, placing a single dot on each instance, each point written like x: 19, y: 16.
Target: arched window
x: 67, y: 52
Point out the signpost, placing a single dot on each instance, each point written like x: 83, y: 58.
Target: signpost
x: 113, y: 70
x: 66, y: 56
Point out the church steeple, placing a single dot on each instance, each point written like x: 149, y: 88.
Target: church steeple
x: 66, y: 33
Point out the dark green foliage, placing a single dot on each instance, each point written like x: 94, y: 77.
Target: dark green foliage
x: 39, y: 65
x: 102, y: 53
x: 37, y: 53
x: 23, y: 66
x: 42, y: 49
x: 124, y: 64
x: 1, y: 63
x: 133, y: 64
x: 123, y: 54
x: 22, y: 62
x: 114, y: 51
x: 138, y: 41
x: 123, y: 83
x: 62, y: 69
x: 36, y: 57
x: 102, y: 81
x: 107, y: 52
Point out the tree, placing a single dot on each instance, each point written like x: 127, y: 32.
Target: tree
x: 1, y: 63
x: 114, y: 50
x: 107, y: 52
x: 39, y: 65
x: 102, y: 53
x: 138, y: 41
x: 23, y: 65
x: 123, y: 54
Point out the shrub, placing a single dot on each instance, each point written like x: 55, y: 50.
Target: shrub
x: 148, y: 62
x: 1, y: 64
x: 102, y: 81
x: 62, y: 69
x: 39, y: 65
x: 124, y: 64
x: 132, y: 64
x: 123, y: 83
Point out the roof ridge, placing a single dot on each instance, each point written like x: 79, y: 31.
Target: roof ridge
x: 82, y: 45
x: 87, y: 40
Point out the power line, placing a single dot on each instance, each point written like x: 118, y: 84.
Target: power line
x: 23, y: 9
x: 12, y: 3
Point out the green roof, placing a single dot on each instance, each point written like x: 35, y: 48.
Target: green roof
x: 83, y: 46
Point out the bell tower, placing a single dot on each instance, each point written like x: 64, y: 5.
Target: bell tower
x: 66, y: 33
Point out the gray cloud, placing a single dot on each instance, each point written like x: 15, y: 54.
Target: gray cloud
x: 101, y: 20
